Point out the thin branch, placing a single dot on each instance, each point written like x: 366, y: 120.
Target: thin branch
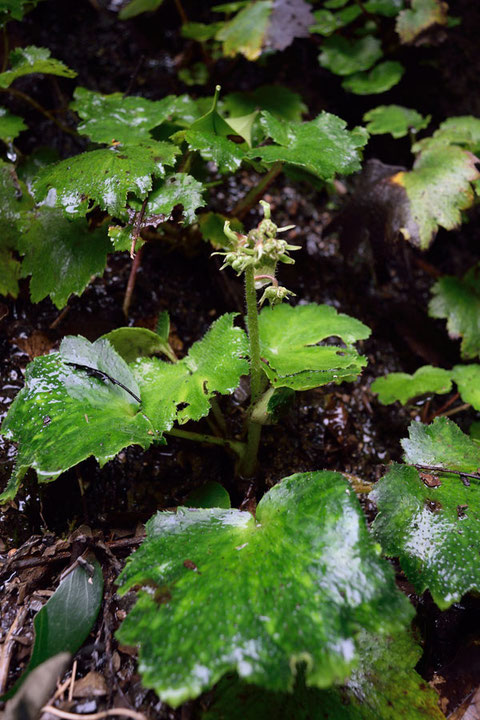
x: 131, y: 282
x: 40, y: 108
x: 438, y: 469
x: 123, y: 712
x: 252, y: 197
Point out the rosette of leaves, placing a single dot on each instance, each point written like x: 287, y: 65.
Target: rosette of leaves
x: 429, y: 511
x: 220, y: 590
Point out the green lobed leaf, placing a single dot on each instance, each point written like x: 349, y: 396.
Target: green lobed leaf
x: 65, y: 414
x: 10, y: 270
x: 64, y: 622
x: 458, y: 301
x: 183, y: 391
x: 345, y: 57
x: 136, y: 7
x: 227, y: 155
x: 201, y: 32
x: 176, y: 189
x: 322, y: 146
x: 31, y: 59
x: 394, y: 120
x: 434, y: 531
x: 15, y: 9
x: 115, y: 117
x: 388, y: 8
x: 222, y: 592
x: 438, y: 188
x: 463, y: 130
x: 134, y: 342
x: 404, y: 387
x: 467, y: 378
x: 245, y: 33
x: 383, y: 686
x: 423, y: 14
x: 278, y: 100
x: 104, y: 177
x: 383, y: 77
x: 10, y: 125
x: 61, y: 255
x: 441, y: 444
x: 291, y: 349
x: 15, y: 202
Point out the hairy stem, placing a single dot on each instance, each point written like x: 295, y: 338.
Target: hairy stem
x: 252, y: 197
x: 235, y: 445
x: 254, y: 429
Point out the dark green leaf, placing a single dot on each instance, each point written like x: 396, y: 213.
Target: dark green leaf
x: 388, y: 8
x: 405, y: 387
x: 458, y: 301
x: 345, y: 57
x: 434, y: 531
x: 200, y: 32
x: 115, y: 117
x: 104, y: 176
x: 196, y: 74
x: 64, y: 622
x: 211, y: 226
x: 224, y: 592
x: 292, y: 351
x: 61, y: 255
x: 383, y: 77
x: 24, y: 61
x: 136, y: 7
x: 176, y: 189
x: 210, y: 495
x: 226, y: 154
x: 64, y: 414
x: 278, y: 100
x: 322, y: 146
x: 384, y: 686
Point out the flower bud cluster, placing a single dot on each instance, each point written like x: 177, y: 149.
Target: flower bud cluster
x: 259, y: 249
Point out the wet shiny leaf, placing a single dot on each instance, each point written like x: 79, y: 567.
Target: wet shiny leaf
x: 61, y: 255
x: 176, y: 189
x: 434, y: 531
x: 115, y: 117
x: 458, y: 301
x: 383, y: 686
x: 183, y: 391
x: 292, y: 351
x: 322, y: 146
x: 104, y: 177
x: 27, y: 60
x: 441, y: 444
x: 221, y: 591
x: 10, y: 125
x: 65, y: 414
x: 405, y: 387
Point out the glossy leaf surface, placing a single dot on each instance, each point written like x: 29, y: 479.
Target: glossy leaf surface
x: 61, y: 255
x: 222, y: 592
x: 458, y: 302
x: 27, y: 60
x: 115, y: 117
x: 383, y: 686
x: 64, y: 622
x: 65, y: 414
x: 214, y: 364
x: 291, y: 345
x: 434, y: 531
x: 378, y: 80
x: 441, y: 444
x: 104, y: 176
x: 322, y: 146
x: 395, y: 120
x: 404, y: 387
x: 176, y: 189
x: 226, y: 154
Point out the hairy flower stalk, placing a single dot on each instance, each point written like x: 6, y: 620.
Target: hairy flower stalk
x: 256, y: 255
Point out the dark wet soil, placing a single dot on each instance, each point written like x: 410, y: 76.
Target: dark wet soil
x: 338, y: 427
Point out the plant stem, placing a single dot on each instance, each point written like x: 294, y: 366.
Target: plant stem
x: 235, y: 445
x: 40, y: 108
x: 252, y: 197
x: 437, y: 469
x: 131, y: 282
x: 254, y: 429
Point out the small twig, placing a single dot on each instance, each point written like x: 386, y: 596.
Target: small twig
x: 134, y: 76
x: 59, y: 318
x: 131, y: 282
x: 124, y: 712
x: 61, y: 689
x: 181, y: 12
x: 72, y: 681
x: 435, y: 469
x: 445, y: 406
x: 40, y: 108
x: 100, y: 375
x: 7, y: 647
x: 455, y: 410
x: 252, y: 197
